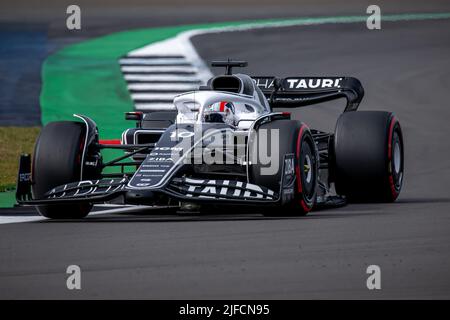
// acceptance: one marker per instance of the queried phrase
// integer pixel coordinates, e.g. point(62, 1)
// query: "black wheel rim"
point(308, 173)
point(397, 159)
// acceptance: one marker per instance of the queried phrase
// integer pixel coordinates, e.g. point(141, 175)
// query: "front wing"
point(180, 188)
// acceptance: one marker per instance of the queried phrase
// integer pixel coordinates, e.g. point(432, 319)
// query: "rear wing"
point(295, 92)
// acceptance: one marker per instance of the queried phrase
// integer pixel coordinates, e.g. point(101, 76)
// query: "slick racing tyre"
point(369, 161)
point(56, 161)
point(294, 138)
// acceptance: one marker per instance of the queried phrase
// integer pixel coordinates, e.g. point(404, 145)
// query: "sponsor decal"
point(312, 83)
point(159, 159)
point(224, 189)
point(289, 165)
point(287, 191)
point(87, 187)
point(264, 83)
point(181, 134)
point(168, 148)
point(24, 177)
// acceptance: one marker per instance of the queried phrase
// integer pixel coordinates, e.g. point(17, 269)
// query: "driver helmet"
point(223, 111)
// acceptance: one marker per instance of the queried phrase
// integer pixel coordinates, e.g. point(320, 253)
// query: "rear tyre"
point(57, 161)
point(294, 138)
point(369, 160)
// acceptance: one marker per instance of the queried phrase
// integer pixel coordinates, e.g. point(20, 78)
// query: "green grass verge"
point(7, 199)
point(13, 142)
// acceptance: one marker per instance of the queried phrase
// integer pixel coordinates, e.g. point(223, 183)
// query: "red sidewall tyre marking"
point(394, 192)
point(305, 207)
point(297, 169)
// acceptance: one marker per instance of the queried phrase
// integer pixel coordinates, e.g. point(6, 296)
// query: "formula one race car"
point(223, 146)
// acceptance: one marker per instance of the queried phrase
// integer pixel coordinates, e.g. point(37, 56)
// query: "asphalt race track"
point(141, 253)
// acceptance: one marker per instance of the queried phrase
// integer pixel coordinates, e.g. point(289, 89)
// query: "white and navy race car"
point(224, 145)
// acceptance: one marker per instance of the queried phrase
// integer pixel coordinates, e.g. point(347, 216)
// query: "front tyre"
point(294, 138)
point(369, 156)
point(57, 160)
